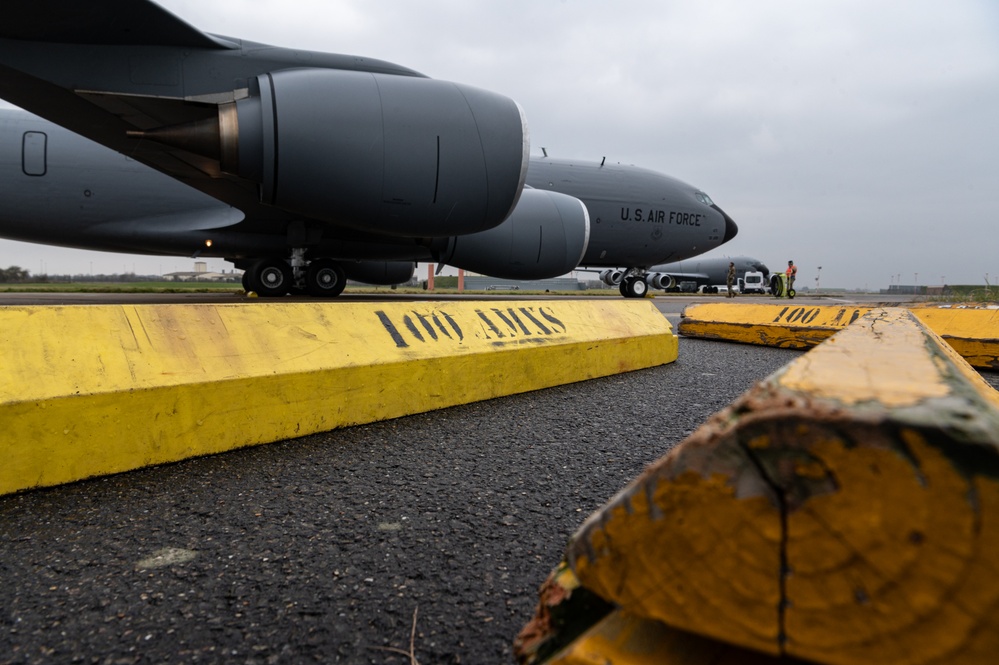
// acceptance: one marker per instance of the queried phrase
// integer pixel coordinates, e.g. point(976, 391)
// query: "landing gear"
point(273, 278)
point(269, 278)
point(324, 279)
point(634, 287)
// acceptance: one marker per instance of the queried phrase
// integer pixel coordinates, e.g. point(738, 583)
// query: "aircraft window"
point(704, 198)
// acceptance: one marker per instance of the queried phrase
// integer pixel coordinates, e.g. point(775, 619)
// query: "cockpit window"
point(704, 198)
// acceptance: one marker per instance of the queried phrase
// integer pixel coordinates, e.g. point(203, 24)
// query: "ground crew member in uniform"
point(730, 280)
point(792, 272)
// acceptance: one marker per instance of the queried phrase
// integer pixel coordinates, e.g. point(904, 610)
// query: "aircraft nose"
point(731, 228)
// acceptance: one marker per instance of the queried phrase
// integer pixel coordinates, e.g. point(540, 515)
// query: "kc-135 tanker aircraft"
point(699, 271)
point(304, 169)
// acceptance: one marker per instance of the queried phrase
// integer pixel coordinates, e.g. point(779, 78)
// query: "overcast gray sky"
point(857, 135)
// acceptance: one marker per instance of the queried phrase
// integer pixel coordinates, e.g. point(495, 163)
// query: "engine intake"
point(611, 276)
point(658, 280)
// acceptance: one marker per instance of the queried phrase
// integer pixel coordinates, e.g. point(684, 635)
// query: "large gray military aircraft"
point(304, 169)
point(700, 271)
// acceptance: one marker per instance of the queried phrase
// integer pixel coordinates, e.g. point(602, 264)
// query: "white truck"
point(754, 282)
point(751, 282)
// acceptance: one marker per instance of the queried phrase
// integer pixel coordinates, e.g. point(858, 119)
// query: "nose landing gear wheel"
point(634, 287)
point(325, 279)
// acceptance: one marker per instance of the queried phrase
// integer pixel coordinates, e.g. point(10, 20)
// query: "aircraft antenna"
point(544, 151)
point(603, 159)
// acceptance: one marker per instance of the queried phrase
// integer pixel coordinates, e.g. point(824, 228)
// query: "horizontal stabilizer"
point(105, 22)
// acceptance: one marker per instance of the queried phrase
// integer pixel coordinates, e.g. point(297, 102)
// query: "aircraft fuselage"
point(638, 217)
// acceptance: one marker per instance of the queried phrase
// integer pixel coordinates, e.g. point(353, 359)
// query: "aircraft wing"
point(678, 276)
point(45, 46)
point(104, 68)
point(687, 276)
point(407, 151)
point(108, 22)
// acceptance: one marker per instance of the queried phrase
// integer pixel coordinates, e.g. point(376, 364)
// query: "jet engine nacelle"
point(545, 236)
point(400, 155)
point(406, 155)
point(611, 277)
point(379, 272)
point(658, 280)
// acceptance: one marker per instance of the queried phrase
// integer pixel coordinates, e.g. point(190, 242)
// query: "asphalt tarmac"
point(328, 547)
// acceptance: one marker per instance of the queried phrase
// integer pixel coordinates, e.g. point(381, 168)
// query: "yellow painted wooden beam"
point(972, 330)
point(845, 510)
point(624, 639)
point(93, 390)
point(574, 627)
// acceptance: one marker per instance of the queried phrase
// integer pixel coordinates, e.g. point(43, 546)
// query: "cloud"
point(854, 134)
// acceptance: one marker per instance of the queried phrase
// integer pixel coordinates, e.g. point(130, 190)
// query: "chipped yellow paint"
point(844, 511)
point(859, 365)
point(698, 559)
point(972, 331)
point(92, 390)
point(623, 638)
point(788, 326)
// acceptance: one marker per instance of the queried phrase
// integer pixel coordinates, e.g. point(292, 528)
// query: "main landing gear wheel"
point(634, 287)
point(270, 278)
point(325, 279)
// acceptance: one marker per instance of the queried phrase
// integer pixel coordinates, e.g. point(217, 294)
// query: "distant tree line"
point(14, 275)
point(18, 275)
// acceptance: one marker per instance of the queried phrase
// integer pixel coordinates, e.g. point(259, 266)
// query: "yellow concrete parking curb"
point(92, 390)
point(845, 510)
point(972, 331)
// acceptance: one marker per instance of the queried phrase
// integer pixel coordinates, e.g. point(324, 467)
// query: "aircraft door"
point(33, 149)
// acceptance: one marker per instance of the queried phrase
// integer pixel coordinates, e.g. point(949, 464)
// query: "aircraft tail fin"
point(104, 22)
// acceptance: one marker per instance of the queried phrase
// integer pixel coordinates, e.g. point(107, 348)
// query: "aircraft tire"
point(245, 279)
point(635, 287)
point(325, 279)
point(271, 278)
